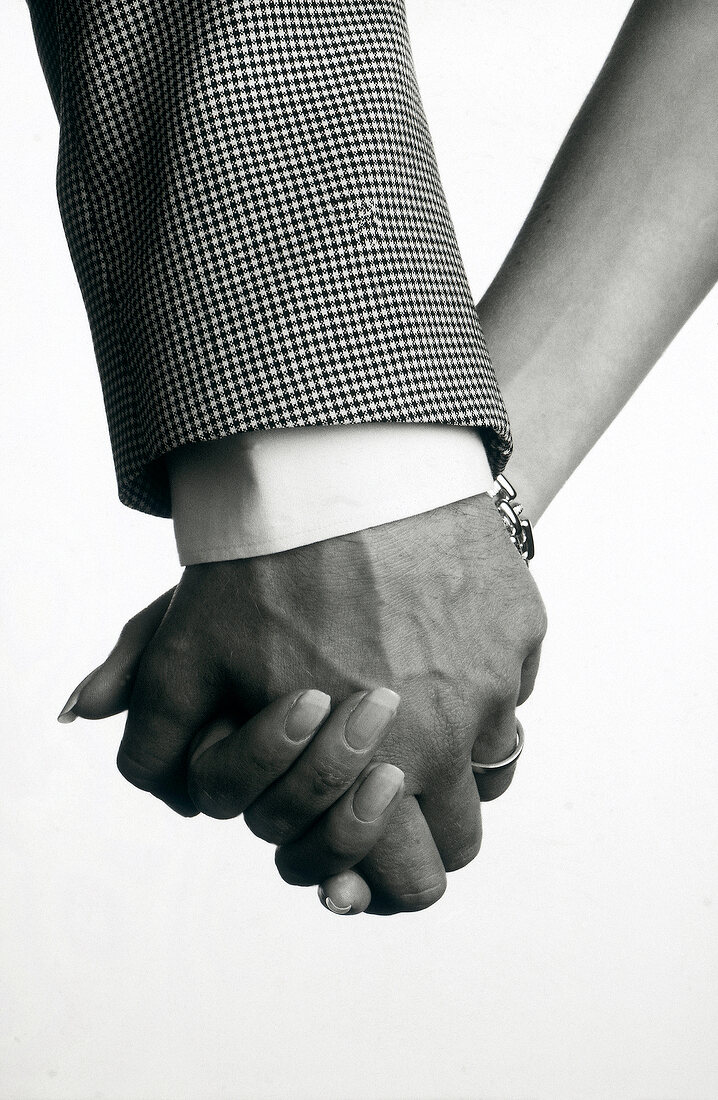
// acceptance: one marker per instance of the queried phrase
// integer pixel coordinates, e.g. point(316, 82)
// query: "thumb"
point(107, 689)
point(345, 894)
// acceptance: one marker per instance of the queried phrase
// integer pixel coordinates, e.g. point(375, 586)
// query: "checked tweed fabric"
point(253, 208)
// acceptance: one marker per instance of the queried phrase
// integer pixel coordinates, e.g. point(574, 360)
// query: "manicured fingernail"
point(377, 791)
point(67, 714)
point(373, 714)
point(329, 904)
point(306, 714)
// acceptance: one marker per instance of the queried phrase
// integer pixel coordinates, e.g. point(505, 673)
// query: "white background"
point(147, 957)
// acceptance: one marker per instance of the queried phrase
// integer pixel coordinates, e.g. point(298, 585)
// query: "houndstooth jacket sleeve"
point(253, 208)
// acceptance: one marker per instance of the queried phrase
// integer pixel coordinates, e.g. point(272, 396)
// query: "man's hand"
point(439, 606)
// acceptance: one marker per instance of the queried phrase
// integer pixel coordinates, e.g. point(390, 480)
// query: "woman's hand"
point(304, 779)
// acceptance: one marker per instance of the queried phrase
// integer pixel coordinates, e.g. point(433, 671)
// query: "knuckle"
point(326, 781)
point(152, 747)
point(169, 678)
point(530, 616)
point(499, 684)
point(261, 764)
point(269, 827)
point(210, 806)
point(340, 846)
point(495, 742)
point(214, 795)
point(520, 621)
point(537, 622)
point(424, 898)
point(133, 772)
point(527, 688)
point(463, 856)
point(291, 874)
point(148, 773)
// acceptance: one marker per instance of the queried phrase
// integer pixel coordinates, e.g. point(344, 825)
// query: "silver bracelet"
point(511, 512)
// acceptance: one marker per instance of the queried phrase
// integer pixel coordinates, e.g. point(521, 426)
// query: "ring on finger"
point(484, 769)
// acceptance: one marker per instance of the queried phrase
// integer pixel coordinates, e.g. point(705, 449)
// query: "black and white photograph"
point(358, 566)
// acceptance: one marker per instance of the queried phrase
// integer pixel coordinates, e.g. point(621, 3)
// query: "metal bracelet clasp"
point(519, 529)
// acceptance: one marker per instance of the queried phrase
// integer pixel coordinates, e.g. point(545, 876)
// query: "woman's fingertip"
point(339, 910)
point(348, 893)
point(67, 714)
point(306, 714)
point(377, 792)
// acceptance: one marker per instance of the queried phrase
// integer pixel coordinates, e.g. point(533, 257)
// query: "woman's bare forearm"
point(619, 248)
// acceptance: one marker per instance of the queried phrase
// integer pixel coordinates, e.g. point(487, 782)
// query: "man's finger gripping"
point(495, 755)
point(404, 871)
point(170, 701)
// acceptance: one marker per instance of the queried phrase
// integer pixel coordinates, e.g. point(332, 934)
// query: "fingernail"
point(306, 713)
point(67, 714)
point(366, 721)
point(377, 791)
point(329, 904)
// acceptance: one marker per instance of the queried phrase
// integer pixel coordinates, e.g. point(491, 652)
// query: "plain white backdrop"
point(146, 957)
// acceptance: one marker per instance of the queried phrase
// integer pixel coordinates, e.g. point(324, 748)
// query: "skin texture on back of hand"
point(439, 607)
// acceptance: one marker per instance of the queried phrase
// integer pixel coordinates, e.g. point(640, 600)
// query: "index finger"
point(172, 698)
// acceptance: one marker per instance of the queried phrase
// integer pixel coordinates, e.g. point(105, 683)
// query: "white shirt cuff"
point(263, 492)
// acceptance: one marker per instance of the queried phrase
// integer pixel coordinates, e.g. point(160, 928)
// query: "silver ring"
point(484, 769)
